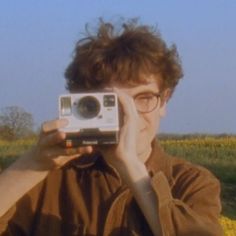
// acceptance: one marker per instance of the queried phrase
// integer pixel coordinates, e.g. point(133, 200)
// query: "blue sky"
point(37, 40)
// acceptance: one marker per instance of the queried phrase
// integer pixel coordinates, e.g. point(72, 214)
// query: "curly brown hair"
point(122, 56)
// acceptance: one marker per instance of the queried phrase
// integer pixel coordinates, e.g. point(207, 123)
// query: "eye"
point(146, 102)
point(145, 97)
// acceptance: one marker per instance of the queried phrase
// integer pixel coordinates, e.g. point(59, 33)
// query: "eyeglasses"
point(147, 102)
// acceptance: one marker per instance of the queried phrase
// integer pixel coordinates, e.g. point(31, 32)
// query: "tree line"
point(16, 123)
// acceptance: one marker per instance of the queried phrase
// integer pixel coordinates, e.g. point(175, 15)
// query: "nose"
point(141, 122)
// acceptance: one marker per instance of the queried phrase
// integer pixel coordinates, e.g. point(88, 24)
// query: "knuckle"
point(59, 136)
point(57, 124)
point(50, 126)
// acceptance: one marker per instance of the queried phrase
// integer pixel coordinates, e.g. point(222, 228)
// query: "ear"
point(166, 96)
point(162, 109)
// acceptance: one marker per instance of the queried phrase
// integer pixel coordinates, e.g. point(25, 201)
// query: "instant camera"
point(93, 118)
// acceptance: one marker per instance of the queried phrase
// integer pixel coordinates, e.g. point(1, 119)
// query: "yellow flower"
point(229, 226)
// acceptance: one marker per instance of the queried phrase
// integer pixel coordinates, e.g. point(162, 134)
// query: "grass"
point(10, 151)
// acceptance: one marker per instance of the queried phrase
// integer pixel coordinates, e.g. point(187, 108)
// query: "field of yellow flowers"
point(229, 226)
point(217, 153)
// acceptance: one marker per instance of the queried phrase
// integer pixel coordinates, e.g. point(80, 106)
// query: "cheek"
point(148, 130)
point(152, 122)
point(153, 128)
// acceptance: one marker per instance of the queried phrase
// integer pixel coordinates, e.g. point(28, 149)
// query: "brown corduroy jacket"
point(90, 199)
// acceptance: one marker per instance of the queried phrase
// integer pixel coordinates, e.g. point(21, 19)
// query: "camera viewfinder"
point(109, 101)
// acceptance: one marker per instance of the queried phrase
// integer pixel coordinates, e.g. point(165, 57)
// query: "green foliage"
point(15, 123)
point(10, 151)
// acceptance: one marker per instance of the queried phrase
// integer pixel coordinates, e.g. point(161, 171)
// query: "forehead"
point(149, 85)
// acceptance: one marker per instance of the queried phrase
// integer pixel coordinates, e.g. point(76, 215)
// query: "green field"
point(217, 153)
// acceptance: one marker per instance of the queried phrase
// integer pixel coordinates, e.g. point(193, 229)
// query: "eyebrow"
point(145, 91)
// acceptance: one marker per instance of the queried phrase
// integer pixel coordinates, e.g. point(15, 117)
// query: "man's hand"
point(124, 156)
point(125, 152)
point(34, 166)
point(49, 153)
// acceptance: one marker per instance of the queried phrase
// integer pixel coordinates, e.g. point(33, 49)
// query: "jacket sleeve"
point(192, 205)
point(18, 219)
point(4, 220)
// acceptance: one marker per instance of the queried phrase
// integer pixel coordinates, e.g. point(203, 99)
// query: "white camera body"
point(93, 118)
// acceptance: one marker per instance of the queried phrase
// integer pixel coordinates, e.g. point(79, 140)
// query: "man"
point(132, 188)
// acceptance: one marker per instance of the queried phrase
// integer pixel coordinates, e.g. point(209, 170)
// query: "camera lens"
point(88, 107)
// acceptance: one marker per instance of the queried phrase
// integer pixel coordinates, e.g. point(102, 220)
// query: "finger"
point(52, 139)
point(53, 153)
point(130, 114)
point(127, 103)
point(58, 151)
point(62, 160)
point(53, 125)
